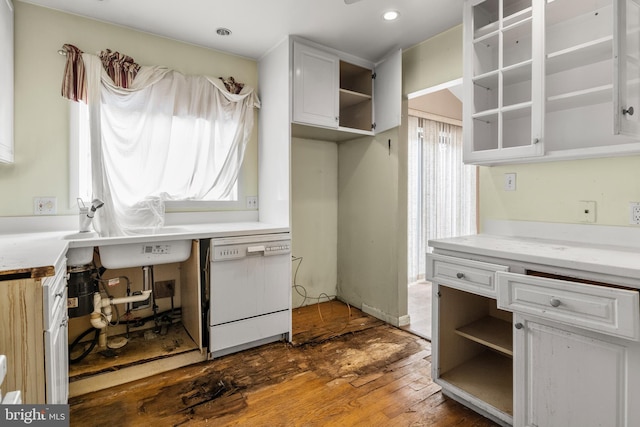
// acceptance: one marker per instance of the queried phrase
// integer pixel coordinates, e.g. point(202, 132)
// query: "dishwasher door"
point(250, 291)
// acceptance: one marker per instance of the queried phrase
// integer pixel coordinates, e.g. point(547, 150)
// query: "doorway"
point(442, 191)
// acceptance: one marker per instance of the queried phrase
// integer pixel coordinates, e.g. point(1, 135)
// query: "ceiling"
point(259, 25)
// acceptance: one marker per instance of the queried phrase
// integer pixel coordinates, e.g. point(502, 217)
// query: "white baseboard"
point(385, 317)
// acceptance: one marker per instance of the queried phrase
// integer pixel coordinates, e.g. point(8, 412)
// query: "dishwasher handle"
point(255, 249)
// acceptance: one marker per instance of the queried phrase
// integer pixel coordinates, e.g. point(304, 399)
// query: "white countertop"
point(36, 254)
point(620, 261)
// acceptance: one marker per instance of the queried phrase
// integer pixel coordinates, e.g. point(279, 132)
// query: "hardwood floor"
point(344, 368)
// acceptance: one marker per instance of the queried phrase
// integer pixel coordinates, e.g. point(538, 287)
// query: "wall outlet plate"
point(587, 211)
point(45, 205)
point(252, 202)
point(634, 213)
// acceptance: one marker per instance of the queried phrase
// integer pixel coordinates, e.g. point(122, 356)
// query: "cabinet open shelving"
point(488, 376)
point(491, 332)
point(356, 96)
point(475, 347)
point(580, 55)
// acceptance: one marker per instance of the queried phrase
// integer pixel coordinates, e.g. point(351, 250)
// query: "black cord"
point(86, 351)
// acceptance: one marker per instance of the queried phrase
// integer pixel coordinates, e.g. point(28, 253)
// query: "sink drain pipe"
point(101, 315)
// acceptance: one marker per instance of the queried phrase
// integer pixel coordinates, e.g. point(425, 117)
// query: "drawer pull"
point(555, 302)
point(460, 275)
point(519, 325)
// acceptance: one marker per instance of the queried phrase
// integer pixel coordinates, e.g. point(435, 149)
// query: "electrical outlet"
point(509, 182)
point(252, 202)
point(44, 205)
point(634, 213)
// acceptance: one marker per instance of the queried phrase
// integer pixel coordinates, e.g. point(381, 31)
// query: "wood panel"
point(190, 297)
point(367, 373)
point(21, 338)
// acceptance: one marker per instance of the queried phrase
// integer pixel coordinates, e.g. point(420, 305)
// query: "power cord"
point(318, 299)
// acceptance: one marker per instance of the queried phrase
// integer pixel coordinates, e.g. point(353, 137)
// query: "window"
point(81, 178)
point(165, 138)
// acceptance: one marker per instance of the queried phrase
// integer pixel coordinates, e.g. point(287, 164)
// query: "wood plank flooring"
point(344, 368)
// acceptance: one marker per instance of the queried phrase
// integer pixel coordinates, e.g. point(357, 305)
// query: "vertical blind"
point(442, 190)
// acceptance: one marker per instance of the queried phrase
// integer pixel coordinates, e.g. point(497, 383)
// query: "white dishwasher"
point(250, 292)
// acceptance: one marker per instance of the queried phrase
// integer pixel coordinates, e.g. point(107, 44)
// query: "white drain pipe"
point(101, 315)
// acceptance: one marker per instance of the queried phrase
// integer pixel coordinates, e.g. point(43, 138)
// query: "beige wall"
point(314, 187)
point(551, 192)
point(368, 222)
point(435, 61)
point(41, 165)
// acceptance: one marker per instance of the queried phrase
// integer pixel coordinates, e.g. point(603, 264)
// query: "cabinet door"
point(627, 111)
point(503, 72)
point(564, 378)
point(315, 86)
point(6, 81)
point(57, 360)
point(387, 97)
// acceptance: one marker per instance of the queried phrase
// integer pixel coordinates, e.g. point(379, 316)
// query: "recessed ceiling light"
point(223, 31)
point(390, 15)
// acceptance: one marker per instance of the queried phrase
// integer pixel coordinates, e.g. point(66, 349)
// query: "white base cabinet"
point(535, 345)
point(568, 377)
point(576, 350)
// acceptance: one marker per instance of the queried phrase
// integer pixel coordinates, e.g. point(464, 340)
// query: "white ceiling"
point(259, 25)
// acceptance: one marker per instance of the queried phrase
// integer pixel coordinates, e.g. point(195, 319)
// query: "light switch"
point(509, 182)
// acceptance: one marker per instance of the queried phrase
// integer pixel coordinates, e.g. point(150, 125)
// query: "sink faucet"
point(87, 213)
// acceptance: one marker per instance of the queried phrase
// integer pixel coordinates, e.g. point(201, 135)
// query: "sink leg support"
point(149, 283)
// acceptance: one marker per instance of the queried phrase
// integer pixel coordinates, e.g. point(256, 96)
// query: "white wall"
point(41, 165)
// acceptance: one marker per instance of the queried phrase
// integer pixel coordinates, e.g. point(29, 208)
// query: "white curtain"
point(442, 190)
point(167, 137)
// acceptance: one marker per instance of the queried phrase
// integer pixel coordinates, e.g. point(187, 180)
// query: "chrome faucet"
point(86, 213)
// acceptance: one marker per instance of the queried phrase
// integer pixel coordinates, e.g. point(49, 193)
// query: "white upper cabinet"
point(503, 80)
point(315, 79)
point(550, 79)
point(334, 90)
point(6, 81)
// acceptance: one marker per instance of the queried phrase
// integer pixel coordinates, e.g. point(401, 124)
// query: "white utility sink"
point(80, 256)
point(125, 255)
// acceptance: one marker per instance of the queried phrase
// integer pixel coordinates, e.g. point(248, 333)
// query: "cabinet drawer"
point(54, 293)
point(473, 276)
point(609, 310)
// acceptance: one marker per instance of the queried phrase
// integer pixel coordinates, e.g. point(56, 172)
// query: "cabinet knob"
point(628, 111)
point(536, 140)
point(59, 294)
point(555, 302)
point(519, 325)
point(460, 275)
